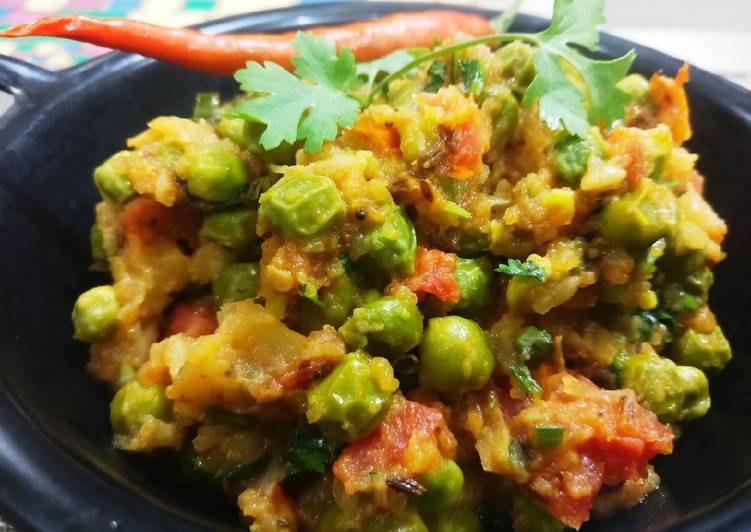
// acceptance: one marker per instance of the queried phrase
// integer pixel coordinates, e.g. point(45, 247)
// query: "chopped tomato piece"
point(384, 450)
point(669, 96)
point(574, 490)
point(464, 149)
point(193, 318)
point(148, 222)
point(434, 274)
point(608, 438)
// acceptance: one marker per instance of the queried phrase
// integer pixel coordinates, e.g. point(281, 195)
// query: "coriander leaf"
point(523, 269)
point(346, 263)
point(575, 23)
point(293, 109)
point(286, 100)
point(317, 61)
point(561, 103)
point(503, 22)
point(533, 344)
point(606, 100)
point(436, 76)
point(368, 72)
point(309, 293)
point(308, 451)
point(472, 75)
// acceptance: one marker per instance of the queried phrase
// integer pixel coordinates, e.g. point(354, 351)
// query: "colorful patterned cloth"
point(723, 51)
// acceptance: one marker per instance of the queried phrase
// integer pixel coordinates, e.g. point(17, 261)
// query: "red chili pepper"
point(224, 54)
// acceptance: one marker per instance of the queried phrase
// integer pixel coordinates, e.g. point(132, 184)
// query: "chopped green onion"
point(521, 373)
point(548, 436)
point(450, 207)
point(516, 454)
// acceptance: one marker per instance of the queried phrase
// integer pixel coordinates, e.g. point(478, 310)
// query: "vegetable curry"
point(452, 289)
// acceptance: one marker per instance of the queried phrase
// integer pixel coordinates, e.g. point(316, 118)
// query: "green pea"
point(98, 253)
point(390, 246)
point(505, 113)
point(636, 86)
point(206, 105)
point(442, 487)
point(247, 135)
point(403, 521)
point(529, 516)
point(570, 155)
point(95, 314)
point(113, 185)
point(675, 300)
point(234, 229)
point(516, 66)
point(699, 281)
point(236, 282)
point(456, 519)
point(234, 129)
point(338, 300)
point(334, 519)
point(215, 174)
point(390, 325)
point(474, 278)
point(133, 404)
point(673, 393)
point(533, 345)
point(368, 296)
point(638, 218)
point(455, 356)
point(353, 398)
point(706, 351)
point(465, 242)
point(302, 206)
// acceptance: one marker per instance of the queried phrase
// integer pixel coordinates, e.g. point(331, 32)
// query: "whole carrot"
point(224, 54)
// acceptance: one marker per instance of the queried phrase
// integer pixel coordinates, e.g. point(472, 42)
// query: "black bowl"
point(57, 468)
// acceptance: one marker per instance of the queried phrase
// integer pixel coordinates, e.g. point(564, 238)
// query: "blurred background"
point(712, 34)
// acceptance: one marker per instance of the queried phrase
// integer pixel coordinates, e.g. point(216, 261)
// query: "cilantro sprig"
point(574, 24)
point(308, 105)
point(518, 268)
point(559, 61)
point(327, 89)
point(368, 72)
point(308, 451)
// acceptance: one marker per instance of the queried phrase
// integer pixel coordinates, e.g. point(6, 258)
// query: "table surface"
point(716, 39)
